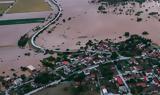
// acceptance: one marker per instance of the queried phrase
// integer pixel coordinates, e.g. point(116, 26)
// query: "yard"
point(58, 90)
point(22, 6)
point(62, 89)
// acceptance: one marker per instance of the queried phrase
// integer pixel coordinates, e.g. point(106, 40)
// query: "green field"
point(21, 21)
point(22, 6)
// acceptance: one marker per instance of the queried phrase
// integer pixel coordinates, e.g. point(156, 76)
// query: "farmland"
point(22, 6)
point(21, 21)
point(4, 7)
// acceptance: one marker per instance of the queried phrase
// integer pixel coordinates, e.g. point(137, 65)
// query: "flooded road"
point(86, 24)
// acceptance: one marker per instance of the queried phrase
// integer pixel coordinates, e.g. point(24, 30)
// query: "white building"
point(31, 68)
point(18, 81)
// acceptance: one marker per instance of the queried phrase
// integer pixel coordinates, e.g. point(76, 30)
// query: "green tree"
point(126, 34)
point(44, 78)
point(106, 72)
point(114, 55)
point(23, 41)
point(145, 33)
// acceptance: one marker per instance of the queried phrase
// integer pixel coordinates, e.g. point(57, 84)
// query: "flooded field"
point(86, 23)
point(80, 22)
point(25, 15)
point(11, 56)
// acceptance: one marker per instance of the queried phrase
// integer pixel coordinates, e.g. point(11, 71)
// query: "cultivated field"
point(4, 7)
point(21, 21)
point(22, 6)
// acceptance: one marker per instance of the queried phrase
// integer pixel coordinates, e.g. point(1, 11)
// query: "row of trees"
point(118, 2)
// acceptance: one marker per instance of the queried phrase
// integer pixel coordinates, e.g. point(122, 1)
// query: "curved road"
point(33, 38)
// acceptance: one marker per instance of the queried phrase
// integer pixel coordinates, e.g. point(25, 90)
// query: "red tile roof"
point(156, 80)
point(119, 80)
point(142, 84)
point(65, 62)
point(145, 78)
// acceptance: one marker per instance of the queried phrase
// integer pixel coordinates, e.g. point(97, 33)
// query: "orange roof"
point(119, 80)
point(65, 62)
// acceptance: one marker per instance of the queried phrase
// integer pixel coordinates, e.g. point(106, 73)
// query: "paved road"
point(33, 38)
point(120, 75)
point(38, 32)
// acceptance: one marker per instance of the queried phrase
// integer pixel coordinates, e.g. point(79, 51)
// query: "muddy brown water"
point(11, 56)
point(87, 22)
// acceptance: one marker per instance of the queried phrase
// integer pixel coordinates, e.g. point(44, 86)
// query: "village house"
point(31, 68)
point(18, 81)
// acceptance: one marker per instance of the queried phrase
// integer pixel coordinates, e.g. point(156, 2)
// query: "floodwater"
point(11, 56)
point(87, 24)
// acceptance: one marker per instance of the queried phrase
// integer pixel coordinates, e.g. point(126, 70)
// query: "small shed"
point(31, 68)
